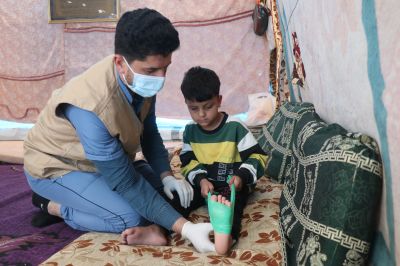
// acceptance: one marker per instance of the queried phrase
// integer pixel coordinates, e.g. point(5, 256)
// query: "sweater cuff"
point(245, 175)
point(197, 179)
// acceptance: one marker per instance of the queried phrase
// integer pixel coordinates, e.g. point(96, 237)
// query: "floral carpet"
point(259, 242)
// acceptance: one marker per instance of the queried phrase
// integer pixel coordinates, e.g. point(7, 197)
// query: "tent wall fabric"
point(342, 57)
point(37, 57)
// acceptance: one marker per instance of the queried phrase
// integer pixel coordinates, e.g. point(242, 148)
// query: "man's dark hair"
point(200, 84)
point(144, 32)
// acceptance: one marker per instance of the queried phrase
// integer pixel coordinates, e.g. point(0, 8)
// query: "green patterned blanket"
point(332, 186)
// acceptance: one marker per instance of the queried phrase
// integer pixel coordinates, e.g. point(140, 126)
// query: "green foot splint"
point(221, 216)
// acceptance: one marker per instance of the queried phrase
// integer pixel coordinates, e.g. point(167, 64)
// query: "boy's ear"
point(219, 100)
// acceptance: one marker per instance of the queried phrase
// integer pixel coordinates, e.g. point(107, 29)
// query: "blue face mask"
point(144, 85)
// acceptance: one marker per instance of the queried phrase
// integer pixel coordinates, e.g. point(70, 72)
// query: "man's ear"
point(119, 63)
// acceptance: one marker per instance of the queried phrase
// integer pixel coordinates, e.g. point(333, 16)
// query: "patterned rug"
point(21, 243)
point(259, 242)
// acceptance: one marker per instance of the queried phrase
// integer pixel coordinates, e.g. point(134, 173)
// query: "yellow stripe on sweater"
point(224, 152)
point(189, 167)
point(260, 157)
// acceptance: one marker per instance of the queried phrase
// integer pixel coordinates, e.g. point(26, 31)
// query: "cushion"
point(331, 194)
point(276, 138)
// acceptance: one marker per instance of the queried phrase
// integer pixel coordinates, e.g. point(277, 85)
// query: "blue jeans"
point(88, 203)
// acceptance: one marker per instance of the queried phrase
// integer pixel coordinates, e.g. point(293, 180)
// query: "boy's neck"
point(219, 120)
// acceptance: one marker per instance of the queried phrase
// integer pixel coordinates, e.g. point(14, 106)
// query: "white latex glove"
point(182, 187)
point(198, 235)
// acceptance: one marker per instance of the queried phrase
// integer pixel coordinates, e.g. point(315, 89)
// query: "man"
point(80, 152)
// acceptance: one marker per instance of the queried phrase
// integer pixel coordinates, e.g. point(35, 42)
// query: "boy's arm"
point(191, 168)
point(252, 155)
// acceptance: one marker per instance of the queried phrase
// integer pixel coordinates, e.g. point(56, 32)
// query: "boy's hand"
point(206, 186)
point(237, 181)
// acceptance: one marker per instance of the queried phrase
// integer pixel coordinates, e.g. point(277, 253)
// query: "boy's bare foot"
point(222, 241)
point(144, 235)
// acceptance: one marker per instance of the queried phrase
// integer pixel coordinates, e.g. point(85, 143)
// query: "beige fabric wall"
point(31, 59)
point(37, 57)
point(350, 51)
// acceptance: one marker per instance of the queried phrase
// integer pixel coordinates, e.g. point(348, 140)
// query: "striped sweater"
point(230, 149)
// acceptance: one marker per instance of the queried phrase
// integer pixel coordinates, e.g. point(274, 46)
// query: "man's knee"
point(118, 223)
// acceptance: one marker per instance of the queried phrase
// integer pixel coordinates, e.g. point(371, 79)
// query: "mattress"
point(170, 129)
point(10, 130)
point(259, 242)
point(11, 151)
point(12, 135)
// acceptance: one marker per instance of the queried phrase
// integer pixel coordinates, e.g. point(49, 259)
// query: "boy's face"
point(205, 114)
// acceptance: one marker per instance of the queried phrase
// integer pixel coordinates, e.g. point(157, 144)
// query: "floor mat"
point(21, 243)
point(259, 243)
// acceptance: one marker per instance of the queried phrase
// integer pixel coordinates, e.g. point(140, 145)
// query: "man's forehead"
point(153, 62)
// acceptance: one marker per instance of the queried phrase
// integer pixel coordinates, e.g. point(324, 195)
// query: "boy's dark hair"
point(144, 32)
point(200, 84)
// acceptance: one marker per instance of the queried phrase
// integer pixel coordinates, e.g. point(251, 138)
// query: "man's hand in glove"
point(198, 235)
point(182, 187)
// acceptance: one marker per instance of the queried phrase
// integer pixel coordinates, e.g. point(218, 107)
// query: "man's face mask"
point(144, 85)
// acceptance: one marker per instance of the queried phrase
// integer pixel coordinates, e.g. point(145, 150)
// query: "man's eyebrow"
point(152, 68)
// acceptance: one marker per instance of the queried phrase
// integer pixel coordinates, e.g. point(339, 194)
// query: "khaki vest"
point(52, 147)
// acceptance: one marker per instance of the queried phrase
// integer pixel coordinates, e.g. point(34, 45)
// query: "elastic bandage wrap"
point(221, 216)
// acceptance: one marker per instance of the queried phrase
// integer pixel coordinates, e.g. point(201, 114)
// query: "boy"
point(216, 146)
